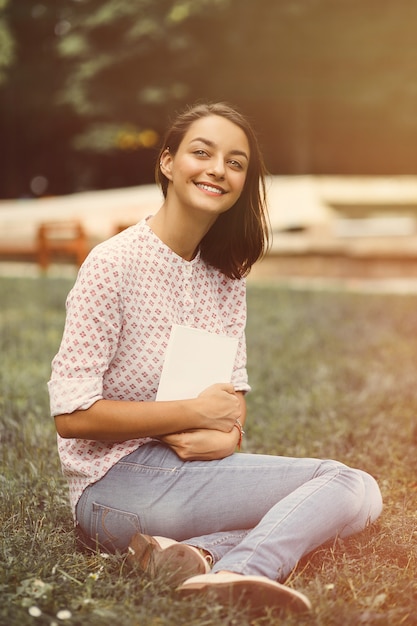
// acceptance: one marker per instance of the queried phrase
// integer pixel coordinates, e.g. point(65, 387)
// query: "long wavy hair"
point(240, 236)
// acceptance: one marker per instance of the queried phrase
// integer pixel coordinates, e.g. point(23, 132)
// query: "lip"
point(210, 189)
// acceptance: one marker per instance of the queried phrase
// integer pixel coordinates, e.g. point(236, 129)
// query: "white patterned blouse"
point(128, 293)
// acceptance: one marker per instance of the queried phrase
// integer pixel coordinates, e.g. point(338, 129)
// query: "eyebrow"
point(211, 144)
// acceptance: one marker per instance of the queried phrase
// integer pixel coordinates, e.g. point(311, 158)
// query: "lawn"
point(333, 375)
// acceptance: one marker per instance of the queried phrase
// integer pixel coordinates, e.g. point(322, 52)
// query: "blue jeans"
point(255, 514)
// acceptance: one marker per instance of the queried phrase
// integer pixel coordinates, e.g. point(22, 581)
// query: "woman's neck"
point(182, 233)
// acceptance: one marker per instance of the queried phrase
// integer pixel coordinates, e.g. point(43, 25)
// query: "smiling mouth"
point(210, 189)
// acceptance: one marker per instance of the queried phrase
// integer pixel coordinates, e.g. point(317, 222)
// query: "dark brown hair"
point(240, 236)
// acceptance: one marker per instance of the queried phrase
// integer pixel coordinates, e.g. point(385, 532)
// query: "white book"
point(194, 360)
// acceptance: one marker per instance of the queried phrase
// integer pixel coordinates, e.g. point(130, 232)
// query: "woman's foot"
point(161, 557)
point(258, 592)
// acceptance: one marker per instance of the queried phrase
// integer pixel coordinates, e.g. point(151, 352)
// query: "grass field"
point(333, 375)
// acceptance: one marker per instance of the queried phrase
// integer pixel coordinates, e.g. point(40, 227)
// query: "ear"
point(165, 163)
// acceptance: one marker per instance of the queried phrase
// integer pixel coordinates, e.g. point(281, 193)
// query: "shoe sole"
point(257, 595)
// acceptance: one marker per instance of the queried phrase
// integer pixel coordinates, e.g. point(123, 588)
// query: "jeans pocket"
point(113, 528)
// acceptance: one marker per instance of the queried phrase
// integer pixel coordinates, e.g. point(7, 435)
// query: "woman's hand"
point(202, 445)
point(219, 406)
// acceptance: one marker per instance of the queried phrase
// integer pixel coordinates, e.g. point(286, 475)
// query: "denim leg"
point(298, 524)
point(256, 514)
point(333, 502)
point(218, 544)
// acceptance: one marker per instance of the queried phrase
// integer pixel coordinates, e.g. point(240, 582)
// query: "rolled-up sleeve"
point(90, 337)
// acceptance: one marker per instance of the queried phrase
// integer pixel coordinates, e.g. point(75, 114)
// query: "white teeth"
point(210, 189)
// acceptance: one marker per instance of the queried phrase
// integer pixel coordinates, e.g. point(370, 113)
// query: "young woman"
point(163, 477)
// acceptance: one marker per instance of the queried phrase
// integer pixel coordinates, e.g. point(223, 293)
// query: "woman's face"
point(208, 171)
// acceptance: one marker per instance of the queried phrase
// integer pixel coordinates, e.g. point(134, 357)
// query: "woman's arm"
point(216, 408)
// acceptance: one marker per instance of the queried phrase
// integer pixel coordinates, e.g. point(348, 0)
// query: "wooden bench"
point(12, 251)
point(61, 239)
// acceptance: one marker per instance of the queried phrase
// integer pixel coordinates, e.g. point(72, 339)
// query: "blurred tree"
point(35, 133)
point(331, 86)
point(7, 43)
point(133, 61)
point(90, 90)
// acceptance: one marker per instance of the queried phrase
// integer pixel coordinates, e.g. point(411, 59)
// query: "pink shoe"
point(166, 558)
point(258, 592)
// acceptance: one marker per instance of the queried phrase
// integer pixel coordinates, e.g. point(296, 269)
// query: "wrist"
point(196, 417)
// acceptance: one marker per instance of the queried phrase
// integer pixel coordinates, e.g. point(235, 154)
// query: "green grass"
point(333, 375)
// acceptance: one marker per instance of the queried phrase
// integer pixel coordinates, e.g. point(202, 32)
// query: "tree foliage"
point(7, 43)
point(133, 61)
point(35, 132)
point(330, 85)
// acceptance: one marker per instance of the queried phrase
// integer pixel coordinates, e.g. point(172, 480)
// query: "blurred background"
point(87, 86)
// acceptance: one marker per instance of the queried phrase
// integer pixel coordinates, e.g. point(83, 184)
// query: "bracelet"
point(239, 426)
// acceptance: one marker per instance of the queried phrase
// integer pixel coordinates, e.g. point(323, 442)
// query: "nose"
point(216, 168)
